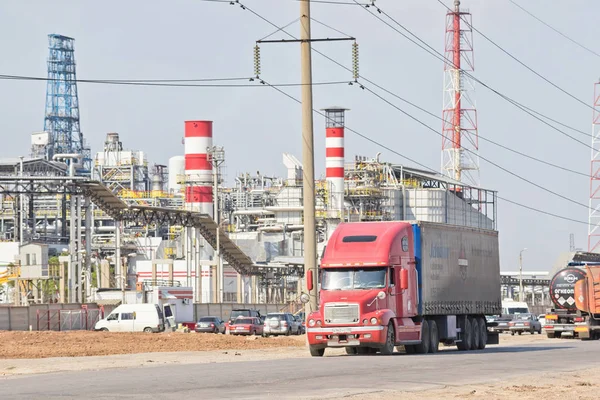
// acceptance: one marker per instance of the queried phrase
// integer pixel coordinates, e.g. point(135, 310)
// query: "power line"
point(442, 58)
point(427, 167)
point(557, 31)
point(380, 144)
point(516, 175)
point(169, 82)
point(519, 61)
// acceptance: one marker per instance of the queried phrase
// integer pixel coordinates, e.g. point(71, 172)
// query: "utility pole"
point(308, 155)
point(217, 157)
point(521, 274)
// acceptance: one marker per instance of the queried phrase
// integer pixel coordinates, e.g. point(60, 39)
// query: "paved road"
point(308, 377)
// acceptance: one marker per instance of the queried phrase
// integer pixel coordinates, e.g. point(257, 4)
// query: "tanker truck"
point(405, 283)
point(561, 320)
point(587, 300)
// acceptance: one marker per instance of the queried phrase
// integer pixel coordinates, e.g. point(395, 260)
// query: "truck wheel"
point(351, 350)
point(423, 347)
point(475, 335)
point(390, 338)
point(482, 333)
point(435, 337)
point(465, 337)
point(316, 352)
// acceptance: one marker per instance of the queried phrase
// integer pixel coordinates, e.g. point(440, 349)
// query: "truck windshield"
point(351, 278)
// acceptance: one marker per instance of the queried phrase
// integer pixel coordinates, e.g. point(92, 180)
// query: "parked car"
point(300, 319)
point(242, 312)
point(246, 326)
point(525, 323)
point(281, 324)
point(210, 325)
point(501, 322)
point(542, 319)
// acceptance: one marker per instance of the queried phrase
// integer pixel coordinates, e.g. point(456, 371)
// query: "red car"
point(246, 326)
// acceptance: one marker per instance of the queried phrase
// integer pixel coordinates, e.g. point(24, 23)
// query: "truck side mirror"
point(403, 279)
point(309, 280)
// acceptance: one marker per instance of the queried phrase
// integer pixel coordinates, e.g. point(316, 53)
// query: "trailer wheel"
point(316, 352)
point(423, 347)
point(482, 333)
point(475, 335)
point(390, 338)
point(434, 336)
point(465, 337)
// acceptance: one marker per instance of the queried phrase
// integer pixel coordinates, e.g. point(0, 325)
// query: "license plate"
point(341, 330)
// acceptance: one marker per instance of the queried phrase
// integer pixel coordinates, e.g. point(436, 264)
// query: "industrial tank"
point(562, 287)
point(176, 171)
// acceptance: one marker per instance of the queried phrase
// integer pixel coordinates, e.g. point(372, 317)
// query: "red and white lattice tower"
point(594, 216)
point(460, 141)
point(334, 159)
point(198, 169)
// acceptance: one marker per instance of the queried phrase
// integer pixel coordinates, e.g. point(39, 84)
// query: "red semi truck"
point(415, 284)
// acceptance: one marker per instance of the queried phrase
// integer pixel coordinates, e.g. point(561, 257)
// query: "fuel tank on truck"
point(562, 288)
point(459, 269)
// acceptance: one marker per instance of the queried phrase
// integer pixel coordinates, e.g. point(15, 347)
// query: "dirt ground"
point(576, 385)
point(30, 345)
point(64, 351)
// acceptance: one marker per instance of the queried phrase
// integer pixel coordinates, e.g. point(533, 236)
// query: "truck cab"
point(363, 290)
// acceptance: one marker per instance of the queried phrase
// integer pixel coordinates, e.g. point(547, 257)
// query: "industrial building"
point(117, 220)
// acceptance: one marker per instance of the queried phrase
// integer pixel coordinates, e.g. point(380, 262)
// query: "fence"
point(53, 317)
point(65, 317)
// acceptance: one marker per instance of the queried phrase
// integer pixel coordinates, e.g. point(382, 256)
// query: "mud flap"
point(493, 338)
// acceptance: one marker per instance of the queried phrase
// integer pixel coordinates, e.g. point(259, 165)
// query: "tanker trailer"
point(561, 319)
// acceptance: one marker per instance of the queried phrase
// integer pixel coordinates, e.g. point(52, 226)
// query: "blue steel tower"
point(62, 105)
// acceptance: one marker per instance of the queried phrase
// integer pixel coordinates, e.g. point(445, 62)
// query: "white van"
point(511, 307)
point(133, 318)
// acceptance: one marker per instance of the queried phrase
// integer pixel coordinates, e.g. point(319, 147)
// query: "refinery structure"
point(114, 221)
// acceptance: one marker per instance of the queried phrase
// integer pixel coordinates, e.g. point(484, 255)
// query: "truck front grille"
point(341, 313)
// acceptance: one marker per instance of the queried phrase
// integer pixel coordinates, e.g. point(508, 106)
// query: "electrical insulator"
point(355, 61)
point(257, 61)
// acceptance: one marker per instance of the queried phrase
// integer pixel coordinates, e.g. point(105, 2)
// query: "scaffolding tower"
point(61, 121)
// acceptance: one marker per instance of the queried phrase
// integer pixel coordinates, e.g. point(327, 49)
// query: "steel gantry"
point(117, 209)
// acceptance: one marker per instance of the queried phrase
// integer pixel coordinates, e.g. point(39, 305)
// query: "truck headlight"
point(373, 320)
point(311, 322)
point(365, 321)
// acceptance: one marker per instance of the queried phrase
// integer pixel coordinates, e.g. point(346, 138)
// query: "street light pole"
point(217, 157)
point(521, 274)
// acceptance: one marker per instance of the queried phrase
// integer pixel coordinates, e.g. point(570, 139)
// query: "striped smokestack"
point(198, 169)
point(334, 157)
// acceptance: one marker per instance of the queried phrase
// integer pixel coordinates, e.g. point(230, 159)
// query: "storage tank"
point(562, 287)
point(176, 171)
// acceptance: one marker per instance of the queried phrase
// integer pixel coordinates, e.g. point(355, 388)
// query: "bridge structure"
point(83, 191)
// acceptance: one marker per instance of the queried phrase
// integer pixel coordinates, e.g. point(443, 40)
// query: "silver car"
point(281, 324)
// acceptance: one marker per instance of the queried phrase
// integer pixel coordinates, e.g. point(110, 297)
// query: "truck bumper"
point(561, 330)
point(368, 336)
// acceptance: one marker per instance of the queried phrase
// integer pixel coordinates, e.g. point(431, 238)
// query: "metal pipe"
point(78, 243)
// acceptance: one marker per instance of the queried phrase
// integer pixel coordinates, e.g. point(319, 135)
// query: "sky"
point(194, 39)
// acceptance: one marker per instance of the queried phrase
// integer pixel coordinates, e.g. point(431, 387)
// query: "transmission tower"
point(594, 216)
point(61, 121)
point(460, 141)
